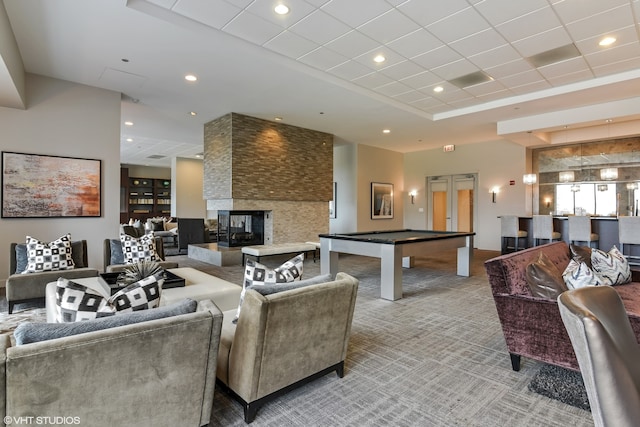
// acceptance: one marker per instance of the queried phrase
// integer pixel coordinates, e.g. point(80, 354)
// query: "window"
point(586, 199)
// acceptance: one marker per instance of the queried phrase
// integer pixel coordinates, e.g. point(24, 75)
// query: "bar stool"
point(510, 229)
point(629, 234)
point(543, 229)
point(580, 230)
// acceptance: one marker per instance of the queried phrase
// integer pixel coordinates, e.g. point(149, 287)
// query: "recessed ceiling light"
point(193, 113)
point(128, 123)
point(386, 130)
point(607, 41)
point(438, 89)
point(379, 59)
point(281, 9)
point(278, 119)
point(129, 139)
point(190, 78)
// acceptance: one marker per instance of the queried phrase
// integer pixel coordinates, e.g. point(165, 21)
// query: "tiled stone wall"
point(254, 164)
point(250, 158)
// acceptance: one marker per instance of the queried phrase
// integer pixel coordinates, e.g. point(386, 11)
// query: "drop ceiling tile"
point(240, 3)
point(317, 3)
point(520, 79)
point(356, 12)
point(617, 67)
point(298, 9)
point(458, 26)
point(373, 80)
point(402, 70)
point(415, 43)
point(612, 55)
point(455, 69)
point(393, 89)
point(349, 70)
point(531, 87)
point(320, 27)
point(353, 43)
point(573, 65)
point(290, 44)
point(426, 103)
point(542, 42)
point(601, 24)
point(529, 25)
point(323, 59)
point(451, 94)
point(485, 88)
point(485, 40)
point(437, 57)
point(464, 103)
point(509, 69)
point(167, 4)
point(493, 96)
point(409, 97)
point(494, 57)
point(499, 11)
point(423, 81)
point(623, 36)
point(574, 10)
point(252, 28)
point(427, 12)
point(571, 78)
point(388, 27)
point(214, 13)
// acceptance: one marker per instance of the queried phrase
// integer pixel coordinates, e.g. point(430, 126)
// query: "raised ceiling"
point(314, 67)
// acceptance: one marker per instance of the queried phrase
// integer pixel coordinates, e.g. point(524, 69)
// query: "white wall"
point(187, 180)
point(71, 120)
point(496, 163)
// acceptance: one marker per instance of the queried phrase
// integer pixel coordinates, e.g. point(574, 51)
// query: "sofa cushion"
point(256, 274)
point(138, 249)
point(28, 332)
point(269, 289)
point(76, 302)
point(544, 278)
point(51, 256)
point(612, 268)
point(578, 275)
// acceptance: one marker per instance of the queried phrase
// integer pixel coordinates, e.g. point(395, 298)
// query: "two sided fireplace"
point(240, 228)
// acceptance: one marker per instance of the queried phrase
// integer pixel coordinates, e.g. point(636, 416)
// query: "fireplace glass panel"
point(240, 228)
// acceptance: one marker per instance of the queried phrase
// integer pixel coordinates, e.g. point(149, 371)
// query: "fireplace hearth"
point(240, 228)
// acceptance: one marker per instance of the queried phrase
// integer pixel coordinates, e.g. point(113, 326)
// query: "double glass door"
point(451, 201)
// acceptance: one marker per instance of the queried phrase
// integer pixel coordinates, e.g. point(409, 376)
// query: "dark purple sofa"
point(531, 325)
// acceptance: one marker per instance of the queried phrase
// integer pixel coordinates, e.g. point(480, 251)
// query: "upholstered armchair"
point(30, 287)
point(285, 339)
point(113, 257)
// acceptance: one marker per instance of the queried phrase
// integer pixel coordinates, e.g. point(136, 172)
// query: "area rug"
point(561, 384)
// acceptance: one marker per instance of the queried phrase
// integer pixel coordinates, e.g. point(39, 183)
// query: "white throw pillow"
point(578, 275)
point(138, 249)
point(612, 268)
point(51, 256)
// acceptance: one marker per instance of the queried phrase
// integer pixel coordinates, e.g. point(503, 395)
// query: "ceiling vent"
point(471, 79)
point(552, 56)
point(156, 157)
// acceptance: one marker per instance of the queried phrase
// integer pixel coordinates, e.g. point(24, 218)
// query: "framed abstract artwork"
point(42, 186)
point(381, 200)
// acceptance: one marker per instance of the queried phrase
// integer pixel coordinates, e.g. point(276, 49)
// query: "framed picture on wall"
point(381, 200)
point(332, 203)
point(41, 186)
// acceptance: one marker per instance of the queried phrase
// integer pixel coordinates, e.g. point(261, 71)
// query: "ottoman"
point(199, 286)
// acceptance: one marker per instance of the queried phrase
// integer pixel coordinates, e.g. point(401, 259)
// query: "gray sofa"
point(158, 373)
point(31, 286)
point(114, 259)
point(285, 339)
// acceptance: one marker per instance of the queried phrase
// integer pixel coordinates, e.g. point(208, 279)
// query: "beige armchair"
point(607, 352)
point(285, 339)
point(30, 287)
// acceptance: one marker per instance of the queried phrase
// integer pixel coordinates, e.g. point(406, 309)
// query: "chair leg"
point(515, 361)
point(11, 304)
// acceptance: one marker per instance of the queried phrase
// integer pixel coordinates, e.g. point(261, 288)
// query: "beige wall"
point(66, 119)
point(345, 168)
point(379, 165)
point(186, 188)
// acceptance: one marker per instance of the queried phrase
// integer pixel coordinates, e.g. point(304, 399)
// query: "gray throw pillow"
point(27, 333)
point(280, 287)
point(544, 278)
point(117, 257)
point(77, 253)
point(21, 258)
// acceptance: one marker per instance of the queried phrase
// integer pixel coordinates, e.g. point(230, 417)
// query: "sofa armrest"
point(5, 343)
point(32, 285)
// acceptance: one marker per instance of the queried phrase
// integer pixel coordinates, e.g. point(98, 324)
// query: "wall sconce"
point(603, 187)
point(567, 176)
point(609, 174)
point(632, 185)
point(529, 178)
point(413, 194)
point(494, 193)
point(547, 202)
point(575, 188)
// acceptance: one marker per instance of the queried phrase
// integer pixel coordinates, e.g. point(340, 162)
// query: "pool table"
point(391, 247)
